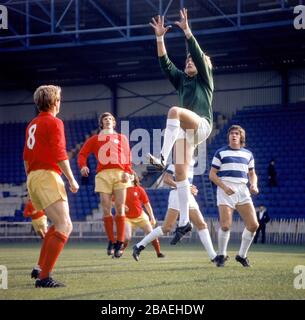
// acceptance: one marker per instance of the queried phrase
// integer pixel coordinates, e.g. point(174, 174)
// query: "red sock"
point(120, 228)
point(44, 245)
point(156, 245)
point(54, 247)
point(108, 224)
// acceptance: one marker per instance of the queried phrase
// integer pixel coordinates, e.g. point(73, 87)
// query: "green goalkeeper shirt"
point(195, 93)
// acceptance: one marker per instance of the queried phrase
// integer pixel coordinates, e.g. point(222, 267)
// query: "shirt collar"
point(45, 114)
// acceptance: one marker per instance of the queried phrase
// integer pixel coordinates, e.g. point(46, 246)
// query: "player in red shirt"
point(136, 198)
point(45, 158)
point(112, 151)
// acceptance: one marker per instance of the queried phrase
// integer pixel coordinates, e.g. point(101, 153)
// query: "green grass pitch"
point(185, 273)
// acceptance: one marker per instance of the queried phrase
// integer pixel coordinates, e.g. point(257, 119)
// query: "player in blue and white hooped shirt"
point(172, 214)
point(232, 168)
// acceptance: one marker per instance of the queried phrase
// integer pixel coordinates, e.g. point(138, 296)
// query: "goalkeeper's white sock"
point(170, 137)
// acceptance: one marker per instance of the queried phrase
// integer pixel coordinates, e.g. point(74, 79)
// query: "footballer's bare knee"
point(173, 113)
point(64, 227)
point(106, 210)
point(120, 212)
point(252, 227)
point(225, 228)
point(201, 226)
point(69, 228)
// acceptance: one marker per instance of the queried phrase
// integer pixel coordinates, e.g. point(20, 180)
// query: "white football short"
point(173, 201)
point(240, 197)
point(196, 137)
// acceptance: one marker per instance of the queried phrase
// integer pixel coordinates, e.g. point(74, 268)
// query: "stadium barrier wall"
point(278, 231)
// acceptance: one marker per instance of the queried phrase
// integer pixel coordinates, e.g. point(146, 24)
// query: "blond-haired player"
point(45, 159)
